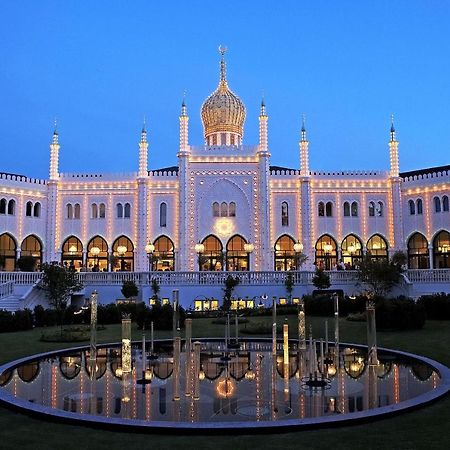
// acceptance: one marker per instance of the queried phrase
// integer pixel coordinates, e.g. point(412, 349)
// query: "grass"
point(422, 429)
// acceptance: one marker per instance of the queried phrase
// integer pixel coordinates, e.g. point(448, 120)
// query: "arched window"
point(212, 256)
point(346, 209)
point(97, 255)
point(351, 251)
point(77, 211)
point(329, 209)
point(418, 255)
point(437, 204)
point(284, 253)
point(29, 209)
point(127, 211)
point(284, 214)
point(7, 252)
point(326, 252)
point(69, 211)
point(441, 250)
point(354, 209)
point(123, 252)
point(232, 209)
point(321, 209)
point(119, 207)
point(163, 256)
point(445, 203)
point(237, 257)
point(3, 206)
point(377, 247)
point(72, 253)
point(31, 246)
point(380, 209)
point(412, 207)
point(37, 209)
point(11, 207)
point(371, 209)
point(224, 210)
point(102, 211)
point(163, 215)
point(94, 211)
point(419, 206)
point(216, 209)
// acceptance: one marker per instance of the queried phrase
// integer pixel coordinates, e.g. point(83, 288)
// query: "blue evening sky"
point(101, 66)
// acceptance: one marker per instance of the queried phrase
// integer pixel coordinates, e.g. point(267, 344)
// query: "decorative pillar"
point(176, 368)
point(336, 329)
point(372, 357)
point(274, 327)
point(126, 343)
point(188, 331)
point(93, 346)
point(196, 392)
point(301, 325)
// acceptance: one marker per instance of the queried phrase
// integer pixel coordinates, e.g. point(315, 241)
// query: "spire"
point(392, 128)
point(393, 151)
point(55, 132)
point(183, 105)
point(303, 129)
point(143, 151)
point(263, 108)
point(54, 154)
point(144, 131)
point(184, 127)
point(263, 130)
point(304, 151)
point(223, 66)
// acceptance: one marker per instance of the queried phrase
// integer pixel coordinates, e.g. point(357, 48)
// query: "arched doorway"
point(123, 252)
point(377, 247)
point(8, 249)
point(284, 253)
point(163, 256)
point(97, 255)
point(212, 256)
point(326, 252)
point(351, 251)
point(418, 254)
point(237, 258)
point(72, 253)
point(31, 246)
point(441, 250)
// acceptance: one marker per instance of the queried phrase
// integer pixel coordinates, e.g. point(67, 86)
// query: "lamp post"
point(95, 251)
point(248, 248)
point(298, 249)
point(199, 248)
point(121, 250)
point(149, 249)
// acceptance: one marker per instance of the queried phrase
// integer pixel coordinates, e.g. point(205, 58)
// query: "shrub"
point(321, 280)
point(399, 314)
point(23, 320)
point(26, 263)
point(129, 289)
point(437, 306)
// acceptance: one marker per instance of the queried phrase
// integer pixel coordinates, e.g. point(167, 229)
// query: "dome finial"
point(223, 67)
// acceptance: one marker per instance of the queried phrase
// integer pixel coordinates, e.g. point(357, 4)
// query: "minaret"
point(143, 153)
point(184, 128)
point(263, 132)
point(54, 156)
point(304, 152)
point(393, 151)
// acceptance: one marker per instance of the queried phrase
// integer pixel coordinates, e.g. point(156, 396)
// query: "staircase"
point(10, 303)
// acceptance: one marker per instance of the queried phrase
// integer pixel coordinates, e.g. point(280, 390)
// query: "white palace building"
point(223, 209)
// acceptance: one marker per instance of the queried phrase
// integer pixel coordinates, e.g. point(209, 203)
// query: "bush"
point(437, 306)
point(20, 320)
point(162, 316)
point(399, 314)
point(129, 289)
point(26, 263)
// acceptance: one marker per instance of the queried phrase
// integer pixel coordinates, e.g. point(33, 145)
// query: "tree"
point(381, 274)
point(230, 283)
point(129, 289)
point(59, 283)
point(26, 263)
point(321, 280)
point(289, 285)
point(300, 259)
point(155, 289)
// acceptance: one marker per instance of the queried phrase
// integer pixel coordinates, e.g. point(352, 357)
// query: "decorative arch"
point(284, 253)
point(352, 251)
point(123, 252)
point(418, 253)
point(8, 248)
point(326, 252)
point(441, 250)
point(32, 246)
point(97, 254)
point(212, 256)
point(72, 253)
point(237, 259)
point(164, 254)
point(377, 247)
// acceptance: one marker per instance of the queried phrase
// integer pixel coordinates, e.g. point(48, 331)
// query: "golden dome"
point(223, 111)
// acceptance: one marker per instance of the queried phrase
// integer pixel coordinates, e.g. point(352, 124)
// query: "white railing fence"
point(6, 289)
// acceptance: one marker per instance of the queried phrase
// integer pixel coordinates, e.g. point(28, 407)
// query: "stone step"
point(10, 303)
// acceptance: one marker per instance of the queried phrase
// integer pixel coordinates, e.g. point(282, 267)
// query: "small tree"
point(300, 259)
point(26, 263)
point(321, 280)
point(155, 289)
point(289, 285)
point(59, 282)
point(230, 283)
point(129, 289)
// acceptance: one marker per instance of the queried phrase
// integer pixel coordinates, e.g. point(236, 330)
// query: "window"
point(31, 246)
point(354, 210)
point(441, 250)
point(326, 252)
point(419, 206)
point(284, 214)
point(224, 210)
point(102, 212)
point(29, 209)
point(412, 207)
point(351, 251)
point(346, 209)
point(321, 209)
point(163, 215)
point(72, 253)
point(3, 206)
point(69, 211)
point(127, 211)
point(77, 211)
point(371, 209)
point(119, 210)
point(232, 209)
point(37, 209)
point(418, 255)
point(11, 207)
point(377, 247)
point(163, 256)
point(237, 259)
point(94, 211)
point(285, 258)
point(216, 209)
point(123, 251)
point(212, 257)
point(8, 252)
point(437, 204)
point(445, 203)
point(379, 211)
point(329, 209)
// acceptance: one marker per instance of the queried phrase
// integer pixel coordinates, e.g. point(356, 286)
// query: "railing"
point(6, 289)
point(428, 275)
point(20, 277)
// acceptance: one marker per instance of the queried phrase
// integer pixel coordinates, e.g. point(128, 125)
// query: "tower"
point(393, 151)
point(143, 152)
point(304, 151)
point(54, 156)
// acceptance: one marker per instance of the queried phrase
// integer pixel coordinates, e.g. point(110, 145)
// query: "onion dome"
point(223, 111)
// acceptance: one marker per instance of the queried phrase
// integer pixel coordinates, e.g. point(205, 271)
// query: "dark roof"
point(280, 168)
point(166, 169)
point(414, 173)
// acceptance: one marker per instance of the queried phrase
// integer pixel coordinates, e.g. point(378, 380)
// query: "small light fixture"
point(95, 251)
point(327, 248)
point(121, 250)
point(298, 247)
point(248, 247)
point(73, 249)
point(199, 248)
point(149, 248)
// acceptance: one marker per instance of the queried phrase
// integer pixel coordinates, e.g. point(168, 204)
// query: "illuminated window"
point(283, 301)
point(285, 254)
point(418, 254)
point(8, 252)
point(212, 256)
point(165, 301)
point(326, 252)
point(377, 247)
point(163, 255)
point(441, 250)
point(72, 253)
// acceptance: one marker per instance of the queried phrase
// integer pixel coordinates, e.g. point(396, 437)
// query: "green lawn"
point(426, 428)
